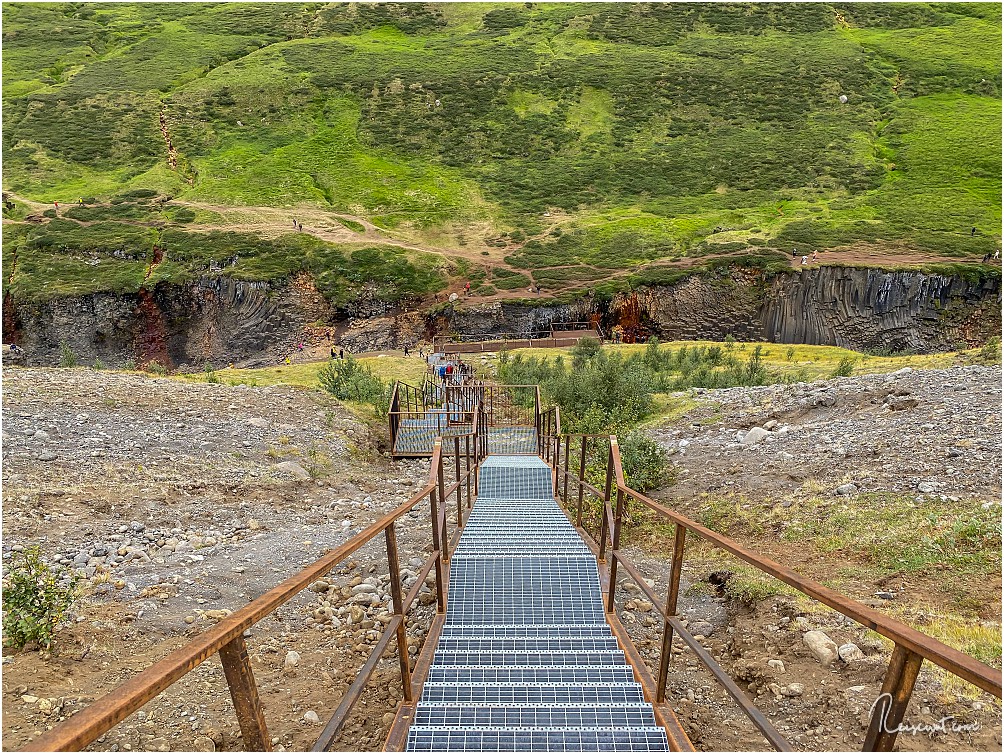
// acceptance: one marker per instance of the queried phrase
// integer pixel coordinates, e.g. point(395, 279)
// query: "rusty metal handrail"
point(911, 648)
point(227, 636)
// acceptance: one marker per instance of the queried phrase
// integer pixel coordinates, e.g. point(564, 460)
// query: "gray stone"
point(821, 646)
point(847, 489)
point(203, 743)
point(292, 659)
point(293, 469)
point(793, 690)
point(755, 435)
point(701, 628)
point(46, 455)
point(311, 717)
point(770, 424)
point(926, 487)
point(850, 652)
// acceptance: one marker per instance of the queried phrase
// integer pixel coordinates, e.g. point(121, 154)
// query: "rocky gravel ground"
point(925, 432)
point(925, 437)
point(178, 503)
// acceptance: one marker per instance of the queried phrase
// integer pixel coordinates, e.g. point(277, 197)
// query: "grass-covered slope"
point(570, 142)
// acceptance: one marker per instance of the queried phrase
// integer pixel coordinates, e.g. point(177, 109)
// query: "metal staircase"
point(526, 660)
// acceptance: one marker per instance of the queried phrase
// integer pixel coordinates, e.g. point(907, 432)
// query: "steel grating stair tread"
point(525, 660)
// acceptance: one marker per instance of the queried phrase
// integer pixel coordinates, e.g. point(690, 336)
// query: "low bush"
point(36, 599)
point(349, 380)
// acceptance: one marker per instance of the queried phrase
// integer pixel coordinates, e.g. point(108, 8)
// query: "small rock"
point(776, 665)
point(320, 586)
point(886, 595)
point(850, 652)
point(822, 647)
point(46, 455)
point(203, 743)
point(311, 717)
point(754, 436)
point(293, 469)
point(701, 628)
point(926, 487)
point(847, 489)
point(190, 619)
point(793, 690)
point(292, 659)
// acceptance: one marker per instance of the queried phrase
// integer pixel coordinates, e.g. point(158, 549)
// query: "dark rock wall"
point(862, 309)
point(221, 320)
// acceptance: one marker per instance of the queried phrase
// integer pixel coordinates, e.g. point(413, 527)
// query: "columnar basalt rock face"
point(520, 320)
point(210, 320)
point(854, 308)
point(222, 320)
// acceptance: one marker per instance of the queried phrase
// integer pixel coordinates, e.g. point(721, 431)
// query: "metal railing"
point(572, 456)
point(226, 638)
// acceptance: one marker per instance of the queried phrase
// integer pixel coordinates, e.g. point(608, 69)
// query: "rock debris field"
point(178, 503)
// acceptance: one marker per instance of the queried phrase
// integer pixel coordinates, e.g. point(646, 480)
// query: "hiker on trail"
point(334, 353)
point(815, 256)
point(421, 352)
point(449, 371)
point(294, 222)
point(341, 353)
point(57, 206)
point(997, 254)
point(406, 350)
point(974, 231)
point(288, 361)
point(536, 289)
point(805, 260)
point(442, 374)
point(467, 288)
point(299, 347)
point(794, 253)
point(80, 201)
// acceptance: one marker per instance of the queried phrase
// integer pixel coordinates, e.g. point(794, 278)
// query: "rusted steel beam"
point(397, 736)
point(958, 663)
point(677, 736)
point(395, 591)
point(341, 714)
point(582, 478)
point(244, 693)
point(756, 716)
point(116, 706)
point(636, 576)
point(423, 572)
point(672, 595)
point(568, 446)
point(889, 708)
point(614, 549)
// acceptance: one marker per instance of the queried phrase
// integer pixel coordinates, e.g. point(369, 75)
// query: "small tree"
point(349, 380)
point(36, 599)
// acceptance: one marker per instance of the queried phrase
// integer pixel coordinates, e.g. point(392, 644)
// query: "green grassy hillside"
point(570, 142)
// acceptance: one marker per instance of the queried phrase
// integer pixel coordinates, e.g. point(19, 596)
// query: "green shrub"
point(349, 380)
point(66, 356)
point(36, 599)
point(98, 363)
point(991, 350)
point(645, 462)
point(845, 367)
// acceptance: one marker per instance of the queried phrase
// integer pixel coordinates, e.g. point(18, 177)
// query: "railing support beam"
point(244, 693)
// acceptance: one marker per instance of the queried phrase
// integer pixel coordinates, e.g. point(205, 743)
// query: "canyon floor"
point(181, 501)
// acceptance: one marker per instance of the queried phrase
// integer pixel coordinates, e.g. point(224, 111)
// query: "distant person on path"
point(794, 253)
point(334, 353)
point(815, 256)
point(997, 254)
point(80, 201)
point(406, 350)
point(421, 352)
point(467, 288)
point(57, 206)
point(973, 233)
point(294, 223)
point(341, 353)
point(805, 260)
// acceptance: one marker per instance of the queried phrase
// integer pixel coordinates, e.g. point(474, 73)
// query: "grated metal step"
point(526, 660)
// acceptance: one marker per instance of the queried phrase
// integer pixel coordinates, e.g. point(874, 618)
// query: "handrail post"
point(889, 708)
point(618, 514)
point(672, 594)
point(443, 534)
point(568, 445)
point(557, 464)
point(582, 478)
point(437, 545)
point(456, 474)
point(395, 591)
point(467, 455)
point(603, 508)
point(244, 693)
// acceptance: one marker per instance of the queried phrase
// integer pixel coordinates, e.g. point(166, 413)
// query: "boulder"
point(821, 646)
